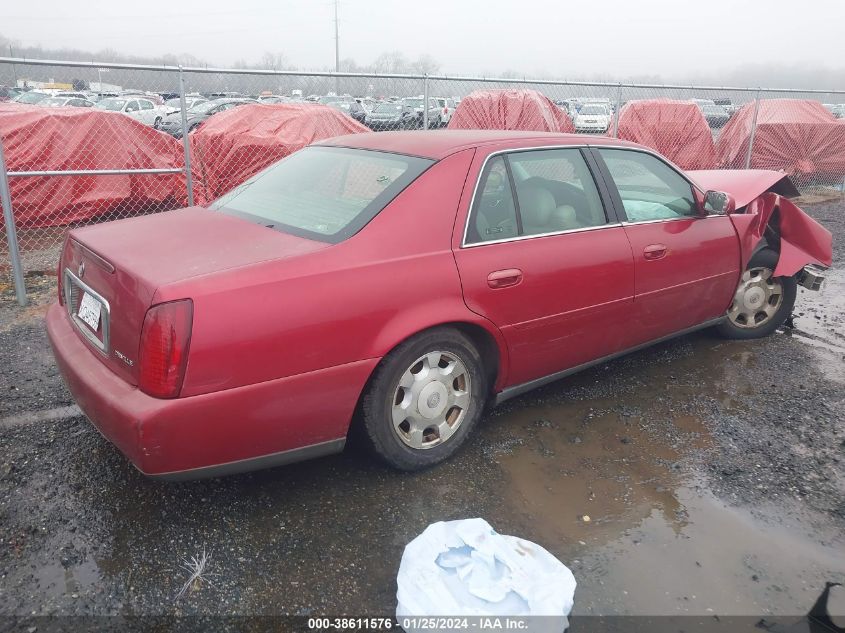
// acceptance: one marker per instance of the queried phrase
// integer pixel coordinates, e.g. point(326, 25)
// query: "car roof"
point(442, 143)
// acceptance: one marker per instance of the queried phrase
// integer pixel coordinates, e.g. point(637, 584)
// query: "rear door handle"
point(504, 278)
point(654, 251)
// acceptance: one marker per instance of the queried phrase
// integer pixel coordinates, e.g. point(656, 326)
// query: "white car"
point(59, 102)
point(592, 118)
point(140, 109)
point(174, 105)
point(447, 109)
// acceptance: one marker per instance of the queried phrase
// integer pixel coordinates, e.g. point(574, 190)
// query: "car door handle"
point(654, 251)
point(504, 278)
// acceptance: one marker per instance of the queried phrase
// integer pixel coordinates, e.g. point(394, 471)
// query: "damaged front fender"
point(766, 213)
point(801, 239)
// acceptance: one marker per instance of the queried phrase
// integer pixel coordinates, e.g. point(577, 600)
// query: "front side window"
point(650, 189)
point(323, 193)
point(146, 105)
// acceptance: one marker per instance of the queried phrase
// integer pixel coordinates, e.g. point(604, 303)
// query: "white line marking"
point(46, 415)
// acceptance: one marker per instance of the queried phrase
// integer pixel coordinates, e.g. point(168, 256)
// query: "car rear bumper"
point(214, 434)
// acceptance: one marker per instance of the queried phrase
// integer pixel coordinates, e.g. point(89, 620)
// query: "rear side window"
point(323, 193)
point(555, 192)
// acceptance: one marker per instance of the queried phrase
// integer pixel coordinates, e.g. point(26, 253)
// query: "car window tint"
point(146, 105)
point(321, 193)
point(132, 106)
point(555, 191)
point(650, 189)
point(494, 214)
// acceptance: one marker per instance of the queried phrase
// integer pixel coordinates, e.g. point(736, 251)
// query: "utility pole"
point(336, 51)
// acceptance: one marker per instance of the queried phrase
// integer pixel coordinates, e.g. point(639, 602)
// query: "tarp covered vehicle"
point(527, 110)
point(676, 129)
point(63, 139)
point(236, 144)
point(798, 137)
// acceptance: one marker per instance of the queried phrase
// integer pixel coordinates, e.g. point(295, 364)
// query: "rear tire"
point(424, 399)
point(762, 303)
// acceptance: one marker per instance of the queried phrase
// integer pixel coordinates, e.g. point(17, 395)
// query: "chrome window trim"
point(682, 217)
point(579, 146)
point(102, 346)
point(520, 238)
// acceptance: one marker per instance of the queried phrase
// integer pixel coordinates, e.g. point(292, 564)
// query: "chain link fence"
point(88, 142)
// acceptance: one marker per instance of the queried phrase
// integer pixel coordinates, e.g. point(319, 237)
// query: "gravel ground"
point(711, 473)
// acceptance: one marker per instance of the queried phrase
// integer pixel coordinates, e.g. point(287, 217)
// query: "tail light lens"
point(165, 338)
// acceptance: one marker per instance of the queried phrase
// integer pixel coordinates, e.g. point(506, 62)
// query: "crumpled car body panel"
point(759, 194)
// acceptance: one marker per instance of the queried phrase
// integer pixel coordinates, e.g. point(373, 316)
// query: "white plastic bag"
point(464, 568)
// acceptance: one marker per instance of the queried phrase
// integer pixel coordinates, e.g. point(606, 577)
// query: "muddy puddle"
point(621, 494)
point(819, 322)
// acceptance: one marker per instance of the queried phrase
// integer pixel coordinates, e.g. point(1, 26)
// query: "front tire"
point(762, 303)
point(424, 399)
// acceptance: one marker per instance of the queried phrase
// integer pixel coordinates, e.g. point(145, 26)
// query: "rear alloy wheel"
point(762, 302)
point(424, 399)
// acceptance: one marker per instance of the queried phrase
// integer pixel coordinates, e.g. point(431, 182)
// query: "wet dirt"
point(711, 473)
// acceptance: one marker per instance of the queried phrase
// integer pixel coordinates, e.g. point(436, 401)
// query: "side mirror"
point(719, 203)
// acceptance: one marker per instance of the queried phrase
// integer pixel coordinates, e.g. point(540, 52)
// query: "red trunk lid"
point(122, 264)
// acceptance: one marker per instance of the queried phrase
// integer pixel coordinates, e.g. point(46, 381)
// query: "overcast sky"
point(670, 38)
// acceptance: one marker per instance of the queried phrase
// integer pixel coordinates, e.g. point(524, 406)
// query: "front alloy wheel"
point(762, 302)
point(757, 299)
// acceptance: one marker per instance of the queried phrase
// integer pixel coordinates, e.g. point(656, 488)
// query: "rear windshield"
point(323, 193)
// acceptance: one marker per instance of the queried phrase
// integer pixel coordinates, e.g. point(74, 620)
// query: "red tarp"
point(60, 139)
point(234, 145)
point(526, 110)
point(796, 136)
point(675, 129)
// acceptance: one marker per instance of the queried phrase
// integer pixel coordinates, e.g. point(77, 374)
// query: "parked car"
point(32, 97)
point(592, 118)
point(416, 104)
point(200, 112)
point(391, 116)
point(139, 108)
point(273, 99)
point(175, 104)
point(350, 107)
point(716, 115)
point(59, 102)
point(447, 108)
point(7, 93)
point(405, 281)
point(836, 109)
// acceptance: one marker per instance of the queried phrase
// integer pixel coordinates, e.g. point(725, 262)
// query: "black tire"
point(375, 414)
point(765, 258)
point(157, 122)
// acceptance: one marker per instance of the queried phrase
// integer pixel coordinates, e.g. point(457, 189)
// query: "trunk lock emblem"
point(81, 270)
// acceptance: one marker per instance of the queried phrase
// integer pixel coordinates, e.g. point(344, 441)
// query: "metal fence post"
point(425, 101)
point(186, 144)
point(11, 231)
point(753, 131)
point(616, 111)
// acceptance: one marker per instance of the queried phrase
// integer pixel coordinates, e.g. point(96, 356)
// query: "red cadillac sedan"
point(403, 282)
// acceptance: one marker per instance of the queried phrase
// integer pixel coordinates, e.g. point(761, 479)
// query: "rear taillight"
point(165, 338)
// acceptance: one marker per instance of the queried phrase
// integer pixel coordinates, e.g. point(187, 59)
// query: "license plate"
point(89, 311)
